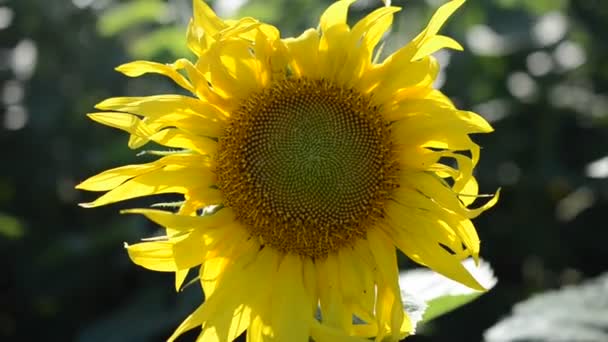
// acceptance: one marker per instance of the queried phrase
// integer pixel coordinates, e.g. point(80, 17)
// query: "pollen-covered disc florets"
point(306, 165)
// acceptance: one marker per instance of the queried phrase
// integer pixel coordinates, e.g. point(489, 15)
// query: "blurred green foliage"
point(538, 70)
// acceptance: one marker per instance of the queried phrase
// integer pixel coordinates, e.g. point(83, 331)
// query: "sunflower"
point(304, 164)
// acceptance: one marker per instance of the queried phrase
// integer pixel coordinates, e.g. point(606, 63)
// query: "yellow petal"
point(303, 52)
point(180, 277)
point(221, 304)
point(373, 26)
point(110, 179)
point(142, 132)
point(398, 72)
point(310, 282)
point(420, 241)
point(431, 112)
point(426, 211)
point(440, 225)
point(362, 41)
point(357, 285)
point(333, 310)
point(123, 121)
point(412, 157)
point(179, 253)
point(335, 14)
point(325, 333)
point(432, 187)
point(365, 268)
point(225, 63)
point(441, 16)
point(224, 315)
point(182, 222)
point(203, 27)
point(211, 272)
point(138, 68)
point(176, 138)
point(333, 51)
point(241, 65)
point(159, 105)
point(205, 18)
point(389, 307)
point(292, 312)
point(436, 258)
point(435, 43)
point(271, 52)
point(156, 182)
point(259, 329)
point(469, 192)
point(224, 246)
point(224, 328)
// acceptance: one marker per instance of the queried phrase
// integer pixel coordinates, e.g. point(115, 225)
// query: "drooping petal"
point(223, 315)
point(436, 113)
point(420, 240)
point(335, 14)
point(260, 329)
point(292, 312)
point(397, 74)
point(325, 333)
point(442, 14)
point(112, 178)
point(362, 41)
point(333, 50)
point(431, 187)
point(138, 68)
point(177, 253)
point(183, 222)
point(304, 54)
point(203, 26)
point(172, 137)
point(434, 44)
point(160, 106)
point(156, 182)
point(456, 228)
point(389, 307)
point(334, 313)
point(232, 68)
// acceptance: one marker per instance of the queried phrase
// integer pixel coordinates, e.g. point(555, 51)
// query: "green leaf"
point(130, 14)
point(428, 295)
point(10, 227)
point(171, 39)
point(572, 314)
point(442, 305)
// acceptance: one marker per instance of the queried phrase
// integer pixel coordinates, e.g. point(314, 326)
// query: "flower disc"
point(306, 165)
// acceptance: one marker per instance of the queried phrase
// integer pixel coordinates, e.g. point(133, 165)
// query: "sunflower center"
point(306, 166)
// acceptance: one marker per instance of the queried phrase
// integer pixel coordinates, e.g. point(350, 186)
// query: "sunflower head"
point(307, 166)
point(320, 162)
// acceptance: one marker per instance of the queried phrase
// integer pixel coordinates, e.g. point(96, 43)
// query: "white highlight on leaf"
point(228, 8)
point(522, 86)
point(427, 284)
point(550, 28)
point(539, 63)
point(421, 286)
point(572, 314)
point(6, 17)
point(494, 110)
point(484, 41)
point(575, 203)
point(24, 59)
point(597, 168)
point(15, 118)
point(569, 55)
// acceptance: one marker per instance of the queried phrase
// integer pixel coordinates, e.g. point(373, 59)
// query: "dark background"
point(537, 70)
